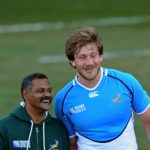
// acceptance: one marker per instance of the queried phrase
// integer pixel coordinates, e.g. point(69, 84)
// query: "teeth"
point(46, 101)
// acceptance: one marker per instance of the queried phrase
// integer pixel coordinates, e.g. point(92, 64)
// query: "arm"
point(3, 141)
point(73, 143)
point(145, 117)
point(58, 104)
point(141, 104)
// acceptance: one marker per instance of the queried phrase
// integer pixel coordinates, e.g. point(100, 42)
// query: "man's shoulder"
point(10, 119)
point(124, 77)
point(6, 121)
point(57, 121)
point(65, 89)
point(58, 124)
point(118, 73)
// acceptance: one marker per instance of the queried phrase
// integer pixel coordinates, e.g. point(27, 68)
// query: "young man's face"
point(39, 98)
point(87, 62)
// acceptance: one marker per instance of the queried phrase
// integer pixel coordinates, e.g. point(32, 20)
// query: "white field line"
point(27, 27)
point(107, 55)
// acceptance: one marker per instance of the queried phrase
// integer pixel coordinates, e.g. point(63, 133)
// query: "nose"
point(48, 93)
point(89, 60)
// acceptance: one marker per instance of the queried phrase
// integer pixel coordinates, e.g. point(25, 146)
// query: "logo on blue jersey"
point(93, 94)
point(77, 109)
point(117, 99)
point(21, 144)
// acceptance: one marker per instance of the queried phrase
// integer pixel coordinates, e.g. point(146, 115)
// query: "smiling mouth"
point(89, 68)
point(46, 101)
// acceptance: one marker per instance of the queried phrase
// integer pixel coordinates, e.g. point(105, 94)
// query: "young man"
point(30, 126)
point(97, 105)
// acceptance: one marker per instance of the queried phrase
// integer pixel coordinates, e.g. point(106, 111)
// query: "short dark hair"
point(27, 81)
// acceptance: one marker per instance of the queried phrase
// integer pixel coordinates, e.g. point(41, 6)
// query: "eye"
point(81, 57)
point(40, 91)
point(93, 55)
point(50, 90)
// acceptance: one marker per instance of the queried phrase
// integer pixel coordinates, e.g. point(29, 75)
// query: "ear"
point(72, 63)
point(25, 94)
point(101, 58)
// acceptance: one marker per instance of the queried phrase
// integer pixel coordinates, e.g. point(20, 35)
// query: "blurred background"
point(33, 34)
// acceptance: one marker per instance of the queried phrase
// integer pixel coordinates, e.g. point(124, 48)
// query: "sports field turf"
point(125, 33)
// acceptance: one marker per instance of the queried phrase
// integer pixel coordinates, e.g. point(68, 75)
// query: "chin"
point(46, 109)
point(46, 106)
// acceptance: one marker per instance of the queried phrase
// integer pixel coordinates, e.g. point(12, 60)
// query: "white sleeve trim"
point(72, 136)
point(140, 113)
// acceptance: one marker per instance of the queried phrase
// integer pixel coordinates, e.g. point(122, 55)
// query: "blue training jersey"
point(101, 113)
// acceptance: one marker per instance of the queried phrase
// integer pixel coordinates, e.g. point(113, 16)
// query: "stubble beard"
point(88, 78)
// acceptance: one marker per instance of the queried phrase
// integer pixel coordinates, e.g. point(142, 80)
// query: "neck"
point(36, 116)
point(38, 119)
point(89, 83)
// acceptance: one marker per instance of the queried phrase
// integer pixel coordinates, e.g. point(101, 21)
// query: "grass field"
point(20, 51)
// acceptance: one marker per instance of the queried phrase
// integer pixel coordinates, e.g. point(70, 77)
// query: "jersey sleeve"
point(141, 100)
point(58, 106)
